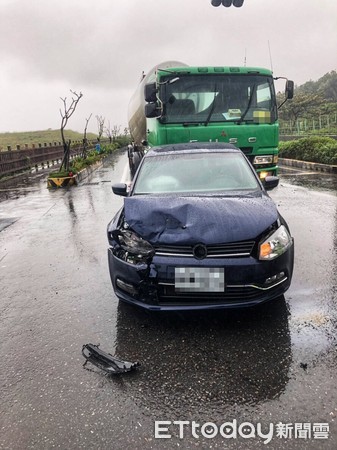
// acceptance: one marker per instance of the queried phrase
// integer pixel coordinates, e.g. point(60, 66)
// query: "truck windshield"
point(218, 98)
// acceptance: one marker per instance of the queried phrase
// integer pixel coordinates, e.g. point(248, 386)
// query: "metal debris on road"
point(106, 361)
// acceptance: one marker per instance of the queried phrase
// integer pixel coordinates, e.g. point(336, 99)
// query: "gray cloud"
point(102, 46)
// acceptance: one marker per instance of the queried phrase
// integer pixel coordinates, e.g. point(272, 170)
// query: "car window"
point(195, 172)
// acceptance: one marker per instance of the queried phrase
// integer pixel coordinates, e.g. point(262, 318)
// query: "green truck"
point(175, 103)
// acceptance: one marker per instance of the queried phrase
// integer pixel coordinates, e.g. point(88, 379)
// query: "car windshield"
point(195, 173)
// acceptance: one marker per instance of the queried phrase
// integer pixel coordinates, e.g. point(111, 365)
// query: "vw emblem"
point(200, 251)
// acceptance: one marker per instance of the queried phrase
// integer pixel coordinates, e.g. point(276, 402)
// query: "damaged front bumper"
point(152, 285)
point(105, 361)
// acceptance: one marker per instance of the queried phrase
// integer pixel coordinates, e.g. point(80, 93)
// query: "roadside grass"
point(36, 137)
point(312, 149)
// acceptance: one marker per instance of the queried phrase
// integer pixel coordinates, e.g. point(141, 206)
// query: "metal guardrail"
point(12, 161)
point(293, 137)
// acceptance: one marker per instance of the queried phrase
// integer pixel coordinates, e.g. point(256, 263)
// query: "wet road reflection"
point(277, 362)
point(311, 180)
point(214, 359)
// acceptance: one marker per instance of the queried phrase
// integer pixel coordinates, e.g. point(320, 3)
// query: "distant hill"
point(36, 137)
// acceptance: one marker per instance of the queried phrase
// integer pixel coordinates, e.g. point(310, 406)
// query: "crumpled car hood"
point(191, 220)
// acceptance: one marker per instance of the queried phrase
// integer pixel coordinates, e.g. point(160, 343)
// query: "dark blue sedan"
point(198, 231)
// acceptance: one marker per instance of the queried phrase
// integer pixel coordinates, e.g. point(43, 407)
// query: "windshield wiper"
point(248, 106)
point(212, 108)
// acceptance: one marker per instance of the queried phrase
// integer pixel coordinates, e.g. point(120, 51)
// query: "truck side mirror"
point(150, 92)
point(152, 110)
point(289, 89)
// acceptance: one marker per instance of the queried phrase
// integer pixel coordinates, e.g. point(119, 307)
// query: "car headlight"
point(133, 244)
point(263, 159)
point(275, 244)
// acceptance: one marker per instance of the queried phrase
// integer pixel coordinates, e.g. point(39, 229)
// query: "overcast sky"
point(101, 47)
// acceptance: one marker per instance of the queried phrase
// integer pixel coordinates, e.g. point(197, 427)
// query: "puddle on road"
point(313, 327)
point(6, 222)
point(311, 180)
point(22, 185)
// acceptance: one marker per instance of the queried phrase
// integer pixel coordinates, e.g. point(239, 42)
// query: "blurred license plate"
point(199, 279)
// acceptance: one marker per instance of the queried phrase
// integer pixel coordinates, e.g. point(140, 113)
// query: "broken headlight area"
point(145, 288)
point(131, 248)
point(148, 288)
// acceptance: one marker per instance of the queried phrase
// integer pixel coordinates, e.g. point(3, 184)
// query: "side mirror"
point(150, 92)
point(120, 189)
point(289, 89)
point(271, 182)
point(152, 110)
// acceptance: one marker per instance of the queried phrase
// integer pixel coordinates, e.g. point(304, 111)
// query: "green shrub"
point(79, 163)
point(314, 149)
point(109, 148)
point(62, 173)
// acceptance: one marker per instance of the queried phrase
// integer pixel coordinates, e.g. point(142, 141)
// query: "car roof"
point(192, 147)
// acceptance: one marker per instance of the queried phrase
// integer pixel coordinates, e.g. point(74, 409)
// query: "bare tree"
point(115, 131)
point(66, 113)
point(100, 124)
point(112, 133)
point(85, 140)
point(108, 132)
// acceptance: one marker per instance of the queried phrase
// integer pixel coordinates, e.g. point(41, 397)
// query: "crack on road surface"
point(48, 210)
point(3, 257)
point(20, 188)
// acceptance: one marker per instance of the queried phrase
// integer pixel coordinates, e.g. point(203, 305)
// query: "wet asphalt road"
point(275, 363)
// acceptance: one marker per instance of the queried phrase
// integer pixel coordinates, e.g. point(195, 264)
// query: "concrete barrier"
point(316, 167)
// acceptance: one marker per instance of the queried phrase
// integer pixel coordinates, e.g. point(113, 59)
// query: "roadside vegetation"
point(311, 117)
point(313, 110)
point(69, 167)
point(79, 163)
point(317, 149)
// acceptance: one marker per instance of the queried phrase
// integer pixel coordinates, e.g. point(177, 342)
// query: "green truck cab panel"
point(252, 139)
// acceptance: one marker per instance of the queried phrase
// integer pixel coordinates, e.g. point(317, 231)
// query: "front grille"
point(232, 294)
point(167, 293)
point(233, 249)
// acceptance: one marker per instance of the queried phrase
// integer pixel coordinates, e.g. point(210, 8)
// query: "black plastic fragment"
point(105, 361)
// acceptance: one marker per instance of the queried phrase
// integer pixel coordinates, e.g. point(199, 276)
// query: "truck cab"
point(236, 105)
